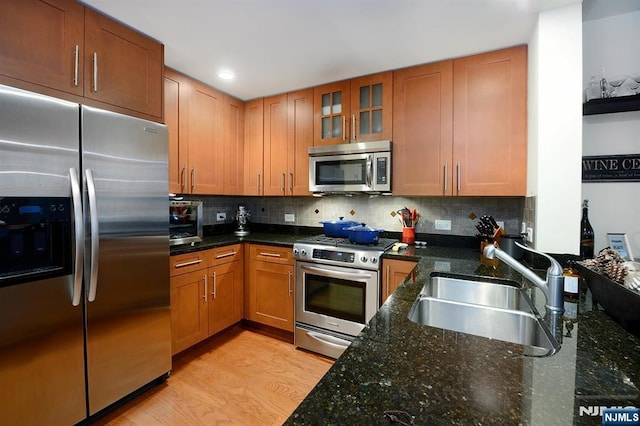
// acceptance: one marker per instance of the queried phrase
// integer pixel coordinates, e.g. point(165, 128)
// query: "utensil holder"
point(409, 235)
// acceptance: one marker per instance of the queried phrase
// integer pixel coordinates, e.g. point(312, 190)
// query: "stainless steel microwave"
point(355, 167)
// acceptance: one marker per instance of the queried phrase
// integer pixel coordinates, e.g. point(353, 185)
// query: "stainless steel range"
point(337, 284)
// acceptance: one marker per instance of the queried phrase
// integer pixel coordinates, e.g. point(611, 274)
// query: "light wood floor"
point(240, 377)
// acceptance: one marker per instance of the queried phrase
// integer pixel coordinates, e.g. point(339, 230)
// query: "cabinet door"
point(189, 299)
point(371, 107)
point(122, 67)
point(206, 156)
point(275, 145)
point(422, 130)
point(394, 272)
point(271, 293)
point(233, 141)
point(172, 118)
point(253, 147)
point(225, 293)
point(42, 42)
point(490, 126)
point(331, 107)
point(300, 135)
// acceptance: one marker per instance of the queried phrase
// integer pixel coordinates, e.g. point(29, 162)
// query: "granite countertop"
point(209, 242)
point(435, 376)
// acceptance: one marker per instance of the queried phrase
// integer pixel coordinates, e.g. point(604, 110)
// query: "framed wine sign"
point(611, 168)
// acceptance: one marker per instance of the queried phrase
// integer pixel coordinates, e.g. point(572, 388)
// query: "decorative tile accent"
point(472, 216)
point(352, 212)
point(317, 211)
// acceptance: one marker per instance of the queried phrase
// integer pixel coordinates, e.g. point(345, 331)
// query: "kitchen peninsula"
point(436, 376)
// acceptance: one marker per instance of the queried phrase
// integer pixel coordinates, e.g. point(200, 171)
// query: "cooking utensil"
point(363, 234)
point(336, 228)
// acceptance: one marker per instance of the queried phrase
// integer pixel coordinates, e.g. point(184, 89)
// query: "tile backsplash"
point(374, 211)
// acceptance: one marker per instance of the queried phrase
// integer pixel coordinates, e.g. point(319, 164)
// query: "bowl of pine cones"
point(615, 285)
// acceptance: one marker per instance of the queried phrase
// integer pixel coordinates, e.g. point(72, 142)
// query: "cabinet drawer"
point(188, 262)
point(273, 254)
point(220, 255)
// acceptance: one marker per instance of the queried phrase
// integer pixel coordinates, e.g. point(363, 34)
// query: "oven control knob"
point(364, 259)
point(303, 252)
point(295, 252)
point(374, 260)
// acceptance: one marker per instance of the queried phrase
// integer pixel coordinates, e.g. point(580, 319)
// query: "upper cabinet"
point(423, 129)
point(460, 126)
point(60, 48)
point(275, 145)
point(490, 123)
point(300, 138)
point(253, 183)
point(371, 107)
point(206, 137)
point(354, 110)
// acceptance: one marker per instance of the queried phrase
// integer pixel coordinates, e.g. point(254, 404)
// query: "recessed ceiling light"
point(226, 75)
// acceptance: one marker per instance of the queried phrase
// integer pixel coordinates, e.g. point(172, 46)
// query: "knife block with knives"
point(488, 232)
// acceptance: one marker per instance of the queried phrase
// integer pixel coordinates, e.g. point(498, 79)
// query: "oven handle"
point(338, 274)
point(329, 340)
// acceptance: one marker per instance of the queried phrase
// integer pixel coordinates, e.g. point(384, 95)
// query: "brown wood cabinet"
point(206, 137)
point(423, 130)
point(226, 280)
point(253, 147)
point(271, 286)
point(63, 49)
point(275, 145)
point(206, 294)
point(490, 122)
point(393, 273)
point(355, 110)
point(300, 138)
point(233, 146)
point(460, 126)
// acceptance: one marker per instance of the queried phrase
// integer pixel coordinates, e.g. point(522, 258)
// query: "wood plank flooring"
point(239, 377)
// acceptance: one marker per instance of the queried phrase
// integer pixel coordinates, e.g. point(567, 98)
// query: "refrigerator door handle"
point(93, 219)
point(76, 198)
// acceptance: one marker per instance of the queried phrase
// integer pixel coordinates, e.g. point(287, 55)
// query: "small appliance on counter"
point(241, 216)
point(185, 221)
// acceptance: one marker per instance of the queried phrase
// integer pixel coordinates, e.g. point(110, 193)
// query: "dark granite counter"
point(438, 376)
point(271, 238)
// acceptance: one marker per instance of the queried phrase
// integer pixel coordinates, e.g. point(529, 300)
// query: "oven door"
point(334, 298)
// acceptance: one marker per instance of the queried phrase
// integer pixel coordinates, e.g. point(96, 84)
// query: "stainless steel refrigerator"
point(84, 258)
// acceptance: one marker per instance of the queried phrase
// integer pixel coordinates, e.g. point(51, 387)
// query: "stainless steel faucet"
point(553, 287)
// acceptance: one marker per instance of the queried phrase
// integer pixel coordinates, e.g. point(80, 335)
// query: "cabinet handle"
point(221, 256)
point(270, 254)
point(353, 127)
point(192, 262)
point(282, 179)
point(458, 167)
point(193, 177)
point(291, 183)
point(206, 282)
point(182, 176)
point(76, 54)
point(344, 127)
point(289, 283)
point(446, 172)
point(258, 183)
point(95, 71)
point(213, 293)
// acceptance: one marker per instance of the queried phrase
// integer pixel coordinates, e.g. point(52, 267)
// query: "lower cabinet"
point(393, 273)
point(270, 286)
point(206, 294)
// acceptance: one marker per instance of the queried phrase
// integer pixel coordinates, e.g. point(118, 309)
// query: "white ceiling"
point(275, 46)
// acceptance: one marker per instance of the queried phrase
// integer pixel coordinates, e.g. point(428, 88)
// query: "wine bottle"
point(586, 233)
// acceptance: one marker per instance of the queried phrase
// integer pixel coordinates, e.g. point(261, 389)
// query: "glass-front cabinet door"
point(371, 107)
point(331, 111)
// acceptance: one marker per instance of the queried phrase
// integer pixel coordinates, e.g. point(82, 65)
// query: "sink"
point(495, 309)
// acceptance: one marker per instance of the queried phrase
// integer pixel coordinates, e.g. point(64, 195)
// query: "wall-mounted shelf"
point(609, 105)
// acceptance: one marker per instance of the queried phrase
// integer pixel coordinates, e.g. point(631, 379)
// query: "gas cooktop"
point(382, 244)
